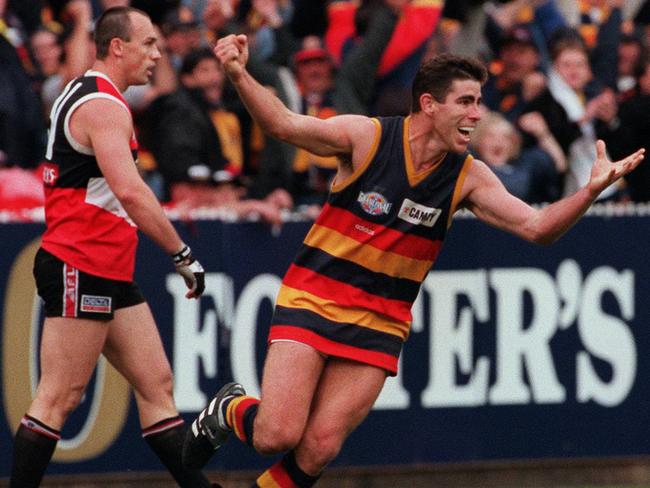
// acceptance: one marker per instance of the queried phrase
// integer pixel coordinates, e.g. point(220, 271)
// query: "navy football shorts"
point(69, 292)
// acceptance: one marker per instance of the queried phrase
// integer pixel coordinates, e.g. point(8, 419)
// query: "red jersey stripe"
point(369, 257)
point(379, 236)
point(344, 294)
point(326, 346)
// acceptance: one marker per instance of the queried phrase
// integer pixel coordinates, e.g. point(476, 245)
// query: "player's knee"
point(274, 438)
point(322, 446)
point(61, 401)
point(156, 387)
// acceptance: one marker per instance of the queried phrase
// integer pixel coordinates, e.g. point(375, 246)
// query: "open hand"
point(605, 172)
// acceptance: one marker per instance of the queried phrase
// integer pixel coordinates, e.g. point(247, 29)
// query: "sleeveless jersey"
point(87, 227)
point(350, 289)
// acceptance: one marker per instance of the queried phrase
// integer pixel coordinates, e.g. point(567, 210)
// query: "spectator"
point(356, 87)
point(514, 78)
point(400, 57)
point(533, 174)
point(571, 105)
point(197, 144)
point(22, 126)
point(631, 54)
point(314, 74)
point(182, 34)
point(633, 128)
point(62, 58)
point(266, 22)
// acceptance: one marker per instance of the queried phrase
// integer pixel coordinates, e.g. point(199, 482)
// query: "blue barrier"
point(516, 351)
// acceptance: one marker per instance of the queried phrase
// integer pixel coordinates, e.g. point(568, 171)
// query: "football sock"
point(240, 413)
point(34, 445)
point(165, 438)
point(285, 474)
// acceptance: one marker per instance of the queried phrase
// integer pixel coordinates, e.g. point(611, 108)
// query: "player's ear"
point(116, 46)
point(428, 104)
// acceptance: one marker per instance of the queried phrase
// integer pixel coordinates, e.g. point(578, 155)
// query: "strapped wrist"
point(182, 255)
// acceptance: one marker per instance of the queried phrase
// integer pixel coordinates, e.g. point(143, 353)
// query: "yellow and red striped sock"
point(240, 415)
point(285, 474)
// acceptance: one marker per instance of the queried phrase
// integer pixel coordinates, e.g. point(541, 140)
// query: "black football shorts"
point(69, 292)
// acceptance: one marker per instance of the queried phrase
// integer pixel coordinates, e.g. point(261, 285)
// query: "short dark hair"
point(194, 57)
point(437, 74)
point(114, 22)
point(566, 38)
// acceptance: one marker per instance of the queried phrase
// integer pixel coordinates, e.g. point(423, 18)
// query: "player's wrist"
point(183, 255)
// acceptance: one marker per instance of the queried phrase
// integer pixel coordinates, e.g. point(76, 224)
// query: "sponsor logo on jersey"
point(93, 303)
point(374, 203)
point(50, 174)
point(417, 214)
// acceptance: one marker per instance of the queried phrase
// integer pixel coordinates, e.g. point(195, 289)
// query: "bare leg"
point(134, 347)
point(291, 374)
point(69, 352)
point(346, 393)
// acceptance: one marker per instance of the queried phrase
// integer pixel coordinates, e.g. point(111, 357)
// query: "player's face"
point(455, 119)
point(141, 52)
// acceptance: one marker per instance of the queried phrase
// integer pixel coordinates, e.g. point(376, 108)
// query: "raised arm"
point(340, 135)
point(488, 199)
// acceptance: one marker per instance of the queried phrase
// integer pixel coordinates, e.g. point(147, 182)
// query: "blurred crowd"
point(563, 73)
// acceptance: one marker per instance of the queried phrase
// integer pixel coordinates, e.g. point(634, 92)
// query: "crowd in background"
point(563, 73)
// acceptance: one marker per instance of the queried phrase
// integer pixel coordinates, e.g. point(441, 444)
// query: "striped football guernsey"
point(87, 227)
point(350, 289)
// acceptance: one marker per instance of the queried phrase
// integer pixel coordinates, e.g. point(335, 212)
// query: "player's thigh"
point(291, 373)
point(346, 392)
point(69, 350)
point(135, 349)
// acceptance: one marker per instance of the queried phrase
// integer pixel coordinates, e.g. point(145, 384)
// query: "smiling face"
point(456, 117)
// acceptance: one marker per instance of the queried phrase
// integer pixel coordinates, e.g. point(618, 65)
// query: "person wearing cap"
point(514, 78)
point(182, 34)
point(314, 74)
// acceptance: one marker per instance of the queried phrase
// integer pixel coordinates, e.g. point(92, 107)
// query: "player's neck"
point(109, 70)
point(425, 149)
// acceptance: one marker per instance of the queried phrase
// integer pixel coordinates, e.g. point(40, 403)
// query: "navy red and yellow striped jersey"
point(350, 289)
point(87, 227)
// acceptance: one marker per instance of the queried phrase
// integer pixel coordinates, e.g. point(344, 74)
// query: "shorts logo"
point(374, 203)
point(418, 214)
point(92, 303)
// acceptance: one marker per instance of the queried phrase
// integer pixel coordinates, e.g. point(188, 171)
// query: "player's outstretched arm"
point(329, 137)
point(488, 199)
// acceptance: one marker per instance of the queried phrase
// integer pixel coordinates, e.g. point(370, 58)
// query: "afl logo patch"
point(374, 203)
